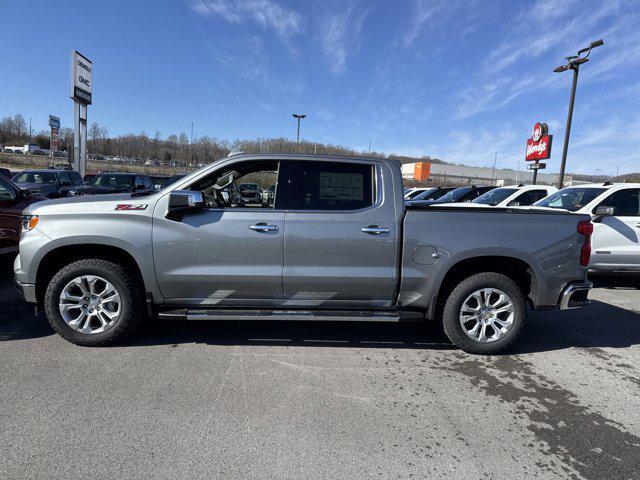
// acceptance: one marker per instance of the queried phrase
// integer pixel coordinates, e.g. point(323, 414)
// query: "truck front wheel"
point(93, 302)
point(485, 313)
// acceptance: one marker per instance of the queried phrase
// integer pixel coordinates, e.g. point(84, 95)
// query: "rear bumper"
point(575, 295)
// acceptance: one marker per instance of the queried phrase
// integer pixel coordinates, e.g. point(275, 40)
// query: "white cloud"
point(427, 12)
point(266, 13)
point(339, 36)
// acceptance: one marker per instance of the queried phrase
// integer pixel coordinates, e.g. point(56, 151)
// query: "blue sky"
point(454, 79)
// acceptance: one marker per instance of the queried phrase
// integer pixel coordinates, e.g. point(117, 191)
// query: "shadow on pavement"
point(600, 325)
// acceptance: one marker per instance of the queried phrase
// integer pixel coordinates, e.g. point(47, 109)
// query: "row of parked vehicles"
point(315, 238)
point(615, 209)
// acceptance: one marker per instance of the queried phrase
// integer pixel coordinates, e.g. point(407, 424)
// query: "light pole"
point(298, 117)
point(573, 63)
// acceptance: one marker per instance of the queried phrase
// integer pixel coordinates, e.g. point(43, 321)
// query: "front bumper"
point(28, 291)
point(575, 295)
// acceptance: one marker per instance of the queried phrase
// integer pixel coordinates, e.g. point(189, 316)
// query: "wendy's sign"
point(539, 145)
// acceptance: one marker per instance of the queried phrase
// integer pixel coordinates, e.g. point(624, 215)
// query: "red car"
point(12, 201)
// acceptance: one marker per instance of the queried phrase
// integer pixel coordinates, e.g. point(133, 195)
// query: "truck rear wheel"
point(93, 302)
point(485, 313)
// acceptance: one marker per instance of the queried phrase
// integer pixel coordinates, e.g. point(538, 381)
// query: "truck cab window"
point(332, 186)
point(241, 185)
point(625, 203)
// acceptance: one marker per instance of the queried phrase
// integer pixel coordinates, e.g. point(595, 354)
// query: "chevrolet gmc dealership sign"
point(81, 74)
point(539, 145)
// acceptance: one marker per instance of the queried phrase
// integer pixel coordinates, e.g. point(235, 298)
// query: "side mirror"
point(181, 200)
point(65, 183)
point(25, 194)
point(514, 204)
point(603, 211)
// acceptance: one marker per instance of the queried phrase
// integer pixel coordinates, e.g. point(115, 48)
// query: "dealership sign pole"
point(54, 139)
point(538, 148)
point(81, 88)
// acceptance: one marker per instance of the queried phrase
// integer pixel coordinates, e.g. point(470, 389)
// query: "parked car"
point(521, 195)
point(615, 210)
point(250, 193)
point(413, 192)
point(49, 183)
point(12, 201)
point(457, 195)
point(5, 172)
point(172, 179)
point(433, 193)
point(117, 183)
point(338, 244)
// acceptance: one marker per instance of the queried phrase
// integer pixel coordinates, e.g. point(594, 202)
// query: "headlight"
point(29, 222)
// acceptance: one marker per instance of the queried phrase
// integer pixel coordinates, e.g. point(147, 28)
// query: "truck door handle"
point(374, 230)
point(263, 227)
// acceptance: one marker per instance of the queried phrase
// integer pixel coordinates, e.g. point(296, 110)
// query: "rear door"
point(341, 235)
point(616, 239)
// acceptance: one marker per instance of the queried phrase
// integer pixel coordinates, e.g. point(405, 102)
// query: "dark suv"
point(117, 183)
point(49, 183)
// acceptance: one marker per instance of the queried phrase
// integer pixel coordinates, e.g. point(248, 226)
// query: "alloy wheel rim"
point(90, 304)
point(487, 315)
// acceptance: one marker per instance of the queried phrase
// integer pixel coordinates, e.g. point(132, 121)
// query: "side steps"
point(294, 315)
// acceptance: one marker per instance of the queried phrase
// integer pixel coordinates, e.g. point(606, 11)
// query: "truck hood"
point(91, 204)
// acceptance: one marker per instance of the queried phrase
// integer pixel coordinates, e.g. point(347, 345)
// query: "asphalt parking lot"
point(272, 400)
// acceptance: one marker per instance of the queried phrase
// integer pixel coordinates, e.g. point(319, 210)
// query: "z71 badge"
point(131, 206)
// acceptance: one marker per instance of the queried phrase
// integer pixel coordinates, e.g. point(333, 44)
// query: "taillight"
point(585, 228)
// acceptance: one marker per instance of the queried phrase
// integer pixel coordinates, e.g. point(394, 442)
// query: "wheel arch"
point(60, 256)
point(520, 271)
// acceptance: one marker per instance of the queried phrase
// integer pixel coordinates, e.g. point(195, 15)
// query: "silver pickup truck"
point(334, 243)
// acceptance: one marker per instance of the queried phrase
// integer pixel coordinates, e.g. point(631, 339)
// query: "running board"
point(294, 315)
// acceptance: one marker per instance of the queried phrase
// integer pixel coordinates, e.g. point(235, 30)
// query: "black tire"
point(453, 305)
point(131, 295)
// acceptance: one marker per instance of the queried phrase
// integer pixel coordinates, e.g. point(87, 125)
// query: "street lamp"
point(573, 63)
point(298, 117)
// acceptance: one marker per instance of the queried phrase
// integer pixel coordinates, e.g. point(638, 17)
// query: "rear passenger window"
point(625, 203)
point(331, 186)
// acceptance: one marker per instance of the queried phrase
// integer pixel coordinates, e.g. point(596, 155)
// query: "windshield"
point(455, 195)
point(36, 177)
point(571, 199)
point(495, 196)
point(413, 194)
point(423, 194)
point(112, 181)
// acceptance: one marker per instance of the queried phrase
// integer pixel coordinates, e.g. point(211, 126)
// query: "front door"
point(616, 239)
point(341, 235)
point(232, 252)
